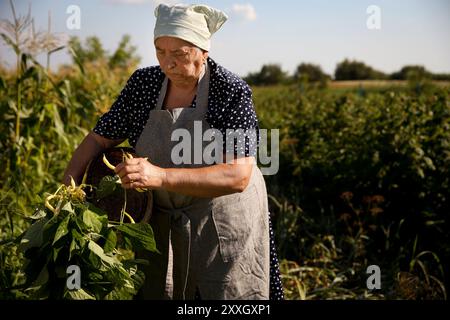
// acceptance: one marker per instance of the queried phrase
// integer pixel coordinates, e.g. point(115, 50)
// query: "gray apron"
point(218, 246)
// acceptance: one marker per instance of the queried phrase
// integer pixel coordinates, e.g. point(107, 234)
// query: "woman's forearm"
point(213, 181)
point(90, 147)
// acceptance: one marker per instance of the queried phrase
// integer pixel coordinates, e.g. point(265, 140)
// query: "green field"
point(363, 179)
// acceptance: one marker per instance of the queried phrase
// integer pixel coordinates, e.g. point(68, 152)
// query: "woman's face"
point(180, 60)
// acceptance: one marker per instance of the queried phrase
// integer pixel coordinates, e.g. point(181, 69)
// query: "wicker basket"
point(139, 204)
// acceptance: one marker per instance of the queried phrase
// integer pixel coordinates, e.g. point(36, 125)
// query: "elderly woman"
point(211, 221)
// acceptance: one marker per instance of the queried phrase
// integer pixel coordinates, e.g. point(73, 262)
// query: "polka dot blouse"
point(230, 106)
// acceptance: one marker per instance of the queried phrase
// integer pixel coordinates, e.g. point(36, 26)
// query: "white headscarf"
point(193, 23)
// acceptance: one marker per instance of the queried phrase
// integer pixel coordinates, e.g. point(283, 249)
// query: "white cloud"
point(246, 11)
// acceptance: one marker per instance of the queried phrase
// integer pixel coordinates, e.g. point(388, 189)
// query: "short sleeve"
point(241, 124)
point(115, 124)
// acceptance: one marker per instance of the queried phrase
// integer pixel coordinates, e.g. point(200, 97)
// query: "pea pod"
point(107, 163)
point(129, 217)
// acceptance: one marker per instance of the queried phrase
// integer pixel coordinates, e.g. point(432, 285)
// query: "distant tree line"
point(92, 51)
point(271, 74)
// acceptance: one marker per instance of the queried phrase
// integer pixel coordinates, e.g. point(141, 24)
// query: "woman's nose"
point(170, 62)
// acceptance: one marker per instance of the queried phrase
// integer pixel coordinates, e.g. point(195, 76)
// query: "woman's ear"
point(205, 55)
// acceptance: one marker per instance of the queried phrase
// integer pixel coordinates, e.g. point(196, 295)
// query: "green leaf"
point(56, 252)
point(58, 124)
point(10, 42)
point(50, 228)
point(107, 186)
point(29, 73)
point(73, 246)
point(38, 214)
point(33, 236)
point(62, 229)
point(42, 278)
point(77, 59)
point(138, 278)
point(101, 213)
point(111, 241)
point(68, 207)
point(82, 227)
point(98, 251)
point(127, 244)
point(95, 276)
point(119, 294)
point(140, 234)
point(78, 243)
point(92, 221)
point(78, 237)
point(79, 294)
point(56, 49)
point(143, 262)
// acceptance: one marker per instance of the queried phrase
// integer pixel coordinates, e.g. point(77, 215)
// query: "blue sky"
point(258, 32)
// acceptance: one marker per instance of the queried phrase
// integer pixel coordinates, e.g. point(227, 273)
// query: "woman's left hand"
point(140, 173)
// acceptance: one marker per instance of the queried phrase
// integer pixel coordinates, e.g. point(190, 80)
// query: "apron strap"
point(180, 237)
point(180, 226)
point(162, 94)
